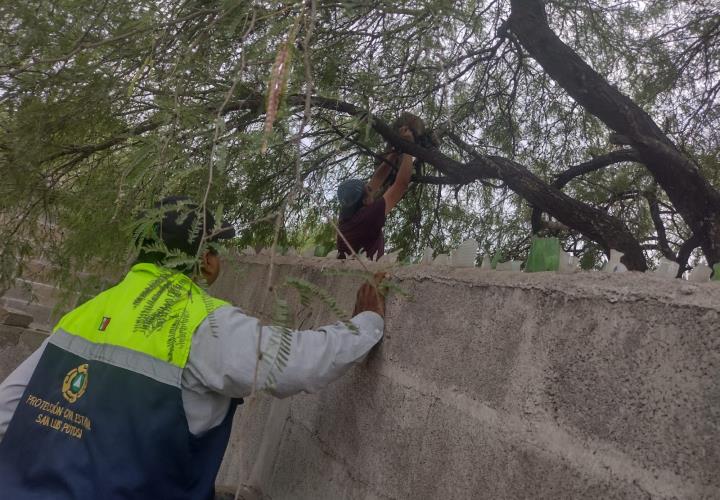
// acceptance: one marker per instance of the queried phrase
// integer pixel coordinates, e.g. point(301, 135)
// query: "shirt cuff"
point(369, 323)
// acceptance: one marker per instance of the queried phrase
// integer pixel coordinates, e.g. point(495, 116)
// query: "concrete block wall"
point(495, 385)
point(16, 344)
point(36, 294)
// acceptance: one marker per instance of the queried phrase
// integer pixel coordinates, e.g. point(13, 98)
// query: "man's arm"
point(382, 172)
point(223, 358)
point(398, 189)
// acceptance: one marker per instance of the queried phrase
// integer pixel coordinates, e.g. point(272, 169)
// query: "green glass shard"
point(544, 255)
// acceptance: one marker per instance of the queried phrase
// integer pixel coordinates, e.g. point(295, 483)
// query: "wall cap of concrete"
point(627, 286)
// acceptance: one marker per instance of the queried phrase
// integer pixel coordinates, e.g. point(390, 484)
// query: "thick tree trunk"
point(695, 199)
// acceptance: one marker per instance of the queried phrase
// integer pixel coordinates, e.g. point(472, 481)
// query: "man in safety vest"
point(133, 394)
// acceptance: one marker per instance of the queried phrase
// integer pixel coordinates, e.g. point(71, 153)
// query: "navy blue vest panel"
point(104, 432)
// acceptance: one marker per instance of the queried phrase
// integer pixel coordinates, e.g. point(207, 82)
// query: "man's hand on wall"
point(369, 297)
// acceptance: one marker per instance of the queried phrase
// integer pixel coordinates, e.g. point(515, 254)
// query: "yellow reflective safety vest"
point(102, 415)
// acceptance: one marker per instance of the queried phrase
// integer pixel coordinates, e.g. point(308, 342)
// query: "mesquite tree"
point(595, 121)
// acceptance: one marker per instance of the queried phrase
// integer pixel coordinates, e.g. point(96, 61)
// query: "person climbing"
point(133, 394)
point(363, 212)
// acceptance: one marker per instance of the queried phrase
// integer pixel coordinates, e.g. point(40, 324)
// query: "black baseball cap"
point(179, 228)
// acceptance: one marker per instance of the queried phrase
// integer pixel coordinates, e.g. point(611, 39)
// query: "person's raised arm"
point(382, 172)
point(398, 189)
point(223, 357)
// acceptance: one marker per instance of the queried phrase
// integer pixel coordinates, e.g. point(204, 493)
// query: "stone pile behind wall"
point(496, 385)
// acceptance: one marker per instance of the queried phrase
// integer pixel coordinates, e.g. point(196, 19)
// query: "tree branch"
point(693, 196)
point(597, 163)
point(684, 253)
point(663, 244)
point(571, 173)
point(431, 179)
point(595, 224)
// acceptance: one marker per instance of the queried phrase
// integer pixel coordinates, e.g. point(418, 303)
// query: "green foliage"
point(309, 291)
point(165, 299)
point(591, 258)
point(279, 345)
point(108, 106)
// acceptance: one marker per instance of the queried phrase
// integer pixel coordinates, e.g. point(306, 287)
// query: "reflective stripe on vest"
point(102, 416)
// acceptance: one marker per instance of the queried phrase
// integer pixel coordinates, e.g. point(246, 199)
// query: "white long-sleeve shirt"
point(222, 359)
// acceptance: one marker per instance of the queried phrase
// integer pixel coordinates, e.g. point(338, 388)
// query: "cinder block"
point(642, 376)
point(473, 348)
point(309, 471)
point(245, 442)
point(40, 315)
point(462, 457)
point(13, 351)
point(370, 424)
point(42, 293)
point(13, 317)
point(10, 335)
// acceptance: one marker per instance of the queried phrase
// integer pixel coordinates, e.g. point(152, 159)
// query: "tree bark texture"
point(691, 194)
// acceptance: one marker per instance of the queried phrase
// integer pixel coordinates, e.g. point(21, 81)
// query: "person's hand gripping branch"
point(392, 163)
point(369, 296)
point(395, 192)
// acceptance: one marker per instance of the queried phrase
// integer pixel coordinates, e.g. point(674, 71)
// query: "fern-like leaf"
point(308, 291)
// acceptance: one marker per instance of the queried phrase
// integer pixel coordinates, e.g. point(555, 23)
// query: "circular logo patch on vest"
point(75, 383)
